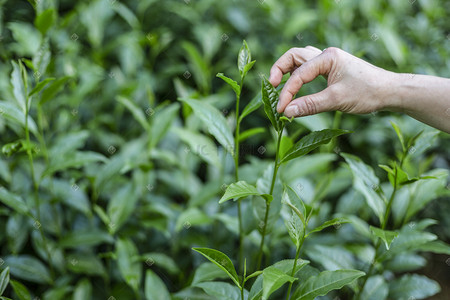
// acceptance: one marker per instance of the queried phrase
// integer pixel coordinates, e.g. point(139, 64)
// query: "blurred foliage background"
point(121, 189)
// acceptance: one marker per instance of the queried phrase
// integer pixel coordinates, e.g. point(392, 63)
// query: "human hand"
point(354, 86)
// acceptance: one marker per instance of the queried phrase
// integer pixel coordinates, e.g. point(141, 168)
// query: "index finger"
point(290, 61)
point(320, 65)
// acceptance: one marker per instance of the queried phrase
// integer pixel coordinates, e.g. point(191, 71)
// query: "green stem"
point(297, 254)
point(236, 175)
point(266, 216)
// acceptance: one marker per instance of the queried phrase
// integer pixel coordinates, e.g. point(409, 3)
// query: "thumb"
point(311, 104)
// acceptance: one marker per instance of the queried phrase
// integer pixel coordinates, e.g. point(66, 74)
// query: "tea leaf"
point(251, 132)
point(413, 286)
point(334, 222)
point(4, 280)
point(375, 288)
point(50, 92)
point(234, 85)
point(83, 290)
point(40, 86)
point(366, 183)
point(270, 99)
point(437, 247)
point(245, 62)
point(11, 112)
point(220, 290)
point(45, 20)
point(28, 268)
point(253, 105)
point(208, 271)
point(215, 122)
point(137, 113)
point(222, 261)
point(311, 141)
point(273, 279)
point(399, 135)
point(85, 238)
point(20, 290)
point(121, 206)
point(385, 235)
point(161, 122)
point(129, 267)
point(155, 288)
point(18, 85)
point(14, 201)
point(325, 282)
point(238, 190)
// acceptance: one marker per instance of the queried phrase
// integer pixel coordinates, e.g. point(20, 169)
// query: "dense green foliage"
point(122, 153)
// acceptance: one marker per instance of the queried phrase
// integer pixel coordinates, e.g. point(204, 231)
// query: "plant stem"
point(236, 175)
point(297, 254)
point(266, 216)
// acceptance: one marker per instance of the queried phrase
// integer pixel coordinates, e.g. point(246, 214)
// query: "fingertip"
point(274, 77)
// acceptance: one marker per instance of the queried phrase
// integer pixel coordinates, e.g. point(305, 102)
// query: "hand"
point(354, 86)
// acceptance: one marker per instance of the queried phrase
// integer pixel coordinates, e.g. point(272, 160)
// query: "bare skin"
point(357, 87)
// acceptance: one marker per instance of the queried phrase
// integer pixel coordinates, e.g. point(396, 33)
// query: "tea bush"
point(142, 157)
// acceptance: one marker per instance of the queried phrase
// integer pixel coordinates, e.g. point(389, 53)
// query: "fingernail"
point(292, 111)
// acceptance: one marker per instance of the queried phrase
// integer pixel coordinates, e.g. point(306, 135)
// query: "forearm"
point(425, 98)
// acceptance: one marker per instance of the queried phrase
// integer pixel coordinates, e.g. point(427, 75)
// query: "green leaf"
point(311, 141)
point(161, 122)
point(208, 271)
point(20, 290)
point(331, 257)
point(40, 86)
point(85, 264)
point(89, 237)
point(222, 261)
point(367, 184)
point(244, 59)
point(200, 145)
point(413, 286)
point(215, 122)
point(375, 288)
point(270, 99)
point(200, 68)
point(273, 279)
point(192, 217)
point(28, 39)
point(83, 290)
point(155, 289)
point(163, 261)
point(220, 290)
point(50, 92)
point(4, 280)
point(14, 201)
point(130, 268)
point(325, 282)
point(28, 268)
point(405, 262)
point(234, 85)
point(296, 224)
point(121, 207)
point(11, 112)
point(385, 235)
point(75, 159)
point(137, 113)
point(45, 20)
point(333, 222)
point(250, 107)
point(424, 191)
point(399, 135)
point(18, 85)
point(248, 67)
point(238, 190)
point(250, 132)
point(437, 247)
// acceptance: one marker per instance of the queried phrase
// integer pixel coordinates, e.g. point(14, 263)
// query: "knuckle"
point(309, 106)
